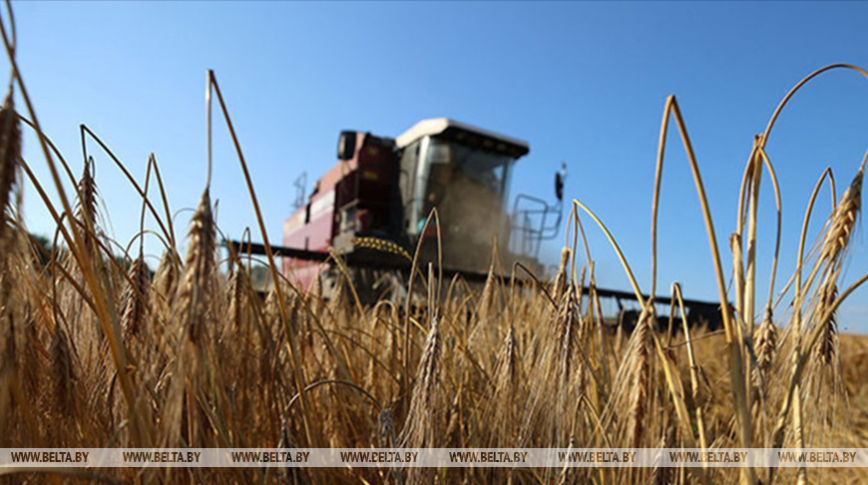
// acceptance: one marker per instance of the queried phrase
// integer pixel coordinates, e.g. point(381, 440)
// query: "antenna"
point(300, 185)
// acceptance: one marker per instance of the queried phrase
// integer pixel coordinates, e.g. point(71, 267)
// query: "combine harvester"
point(379, 195)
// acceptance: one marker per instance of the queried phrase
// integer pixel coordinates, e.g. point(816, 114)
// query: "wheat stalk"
point(195, 290)
point(766, 343)
point(134, 301)
point(10, 154)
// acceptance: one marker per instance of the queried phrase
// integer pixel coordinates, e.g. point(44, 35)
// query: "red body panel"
point(310, 228)
point(363, 184)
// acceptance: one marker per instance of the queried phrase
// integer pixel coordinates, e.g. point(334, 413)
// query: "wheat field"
point(97, 351)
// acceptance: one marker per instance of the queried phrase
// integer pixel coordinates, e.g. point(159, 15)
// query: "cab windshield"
point(468, 186)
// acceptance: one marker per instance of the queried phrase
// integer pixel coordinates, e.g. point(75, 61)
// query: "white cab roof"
point(436, 126)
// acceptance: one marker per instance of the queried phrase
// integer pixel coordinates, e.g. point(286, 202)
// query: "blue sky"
point(583, 82)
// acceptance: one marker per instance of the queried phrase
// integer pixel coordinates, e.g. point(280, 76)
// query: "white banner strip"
point(435, 457)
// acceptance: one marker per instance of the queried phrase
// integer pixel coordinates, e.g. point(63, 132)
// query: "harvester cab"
point(464, 172)
point(382, 190)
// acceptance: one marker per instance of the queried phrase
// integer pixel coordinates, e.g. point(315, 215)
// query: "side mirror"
point(559, 181)
point(346, 145)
